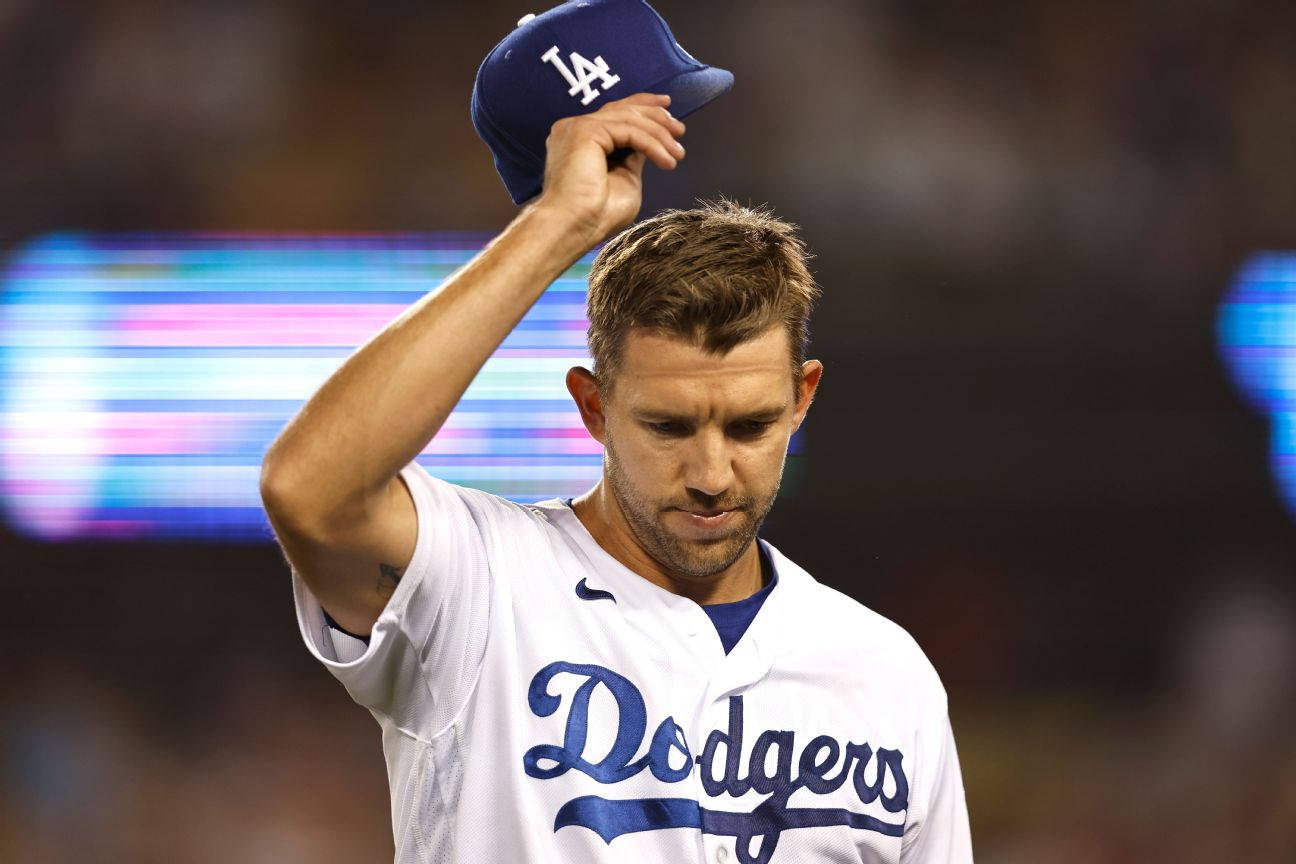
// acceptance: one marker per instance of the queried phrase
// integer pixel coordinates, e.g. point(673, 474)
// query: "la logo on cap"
point(515, 104)
point(587, 70)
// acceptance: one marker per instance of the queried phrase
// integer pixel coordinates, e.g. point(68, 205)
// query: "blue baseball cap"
point(571, 60)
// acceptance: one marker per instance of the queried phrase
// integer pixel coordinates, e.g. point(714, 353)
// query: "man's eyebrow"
point(763, 414)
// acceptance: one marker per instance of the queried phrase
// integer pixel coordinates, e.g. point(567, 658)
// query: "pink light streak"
point(250, 324)
point(172, 325)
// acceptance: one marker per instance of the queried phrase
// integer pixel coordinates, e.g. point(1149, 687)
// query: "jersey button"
point(722, 854)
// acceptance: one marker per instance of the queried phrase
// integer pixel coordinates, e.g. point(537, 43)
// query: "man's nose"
point(709, 465)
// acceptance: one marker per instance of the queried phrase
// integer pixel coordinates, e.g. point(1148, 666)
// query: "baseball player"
point(635, 674)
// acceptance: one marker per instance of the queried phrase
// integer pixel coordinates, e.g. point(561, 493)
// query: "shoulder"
point(461, 529)
point(436, 498)
point(848, 634)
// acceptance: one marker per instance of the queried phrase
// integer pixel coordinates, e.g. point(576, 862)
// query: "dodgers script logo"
point(587, 70)
point(610, 818)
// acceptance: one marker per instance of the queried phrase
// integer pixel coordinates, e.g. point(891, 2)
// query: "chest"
point(629, 725)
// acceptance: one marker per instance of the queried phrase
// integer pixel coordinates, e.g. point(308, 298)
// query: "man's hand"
point(581, 186)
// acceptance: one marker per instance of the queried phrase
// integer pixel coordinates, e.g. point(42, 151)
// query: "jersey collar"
point(753, 656)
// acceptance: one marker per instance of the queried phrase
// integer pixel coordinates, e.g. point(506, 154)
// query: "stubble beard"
point(696, 561)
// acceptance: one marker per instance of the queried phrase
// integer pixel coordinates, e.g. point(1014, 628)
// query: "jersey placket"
point(733, 674)
point(702, 677)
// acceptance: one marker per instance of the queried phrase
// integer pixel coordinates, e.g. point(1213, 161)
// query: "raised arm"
point(329, 481)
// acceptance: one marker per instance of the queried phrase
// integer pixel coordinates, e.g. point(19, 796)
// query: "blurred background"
point(1028, 448)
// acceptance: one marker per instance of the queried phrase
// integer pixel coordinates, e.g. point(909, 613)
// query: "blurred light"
point(144, 376)
point(1257, 337)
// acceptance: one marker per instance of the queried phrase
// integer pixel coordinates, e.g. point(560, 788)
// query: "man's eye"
point(750, 428)
point(667, 428)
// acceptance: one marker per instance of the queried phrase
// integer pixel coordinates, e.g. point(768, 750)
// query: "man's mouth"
point(703, 524)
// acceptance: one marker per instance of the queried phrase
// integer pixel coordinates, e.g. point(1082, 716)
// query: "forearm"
point(383, 405)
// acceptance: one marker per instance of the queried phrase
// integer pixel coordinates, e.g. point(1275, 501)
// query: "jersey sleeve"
point(939, 834)
point(425, 650)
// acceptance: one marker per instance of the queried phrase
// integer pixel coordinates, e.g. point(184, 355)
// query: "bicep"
point(354, 565)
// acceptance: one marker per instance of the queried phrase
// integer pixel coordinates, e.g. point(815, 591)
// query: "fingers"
point(646, 134)
point(659, 115)
point(645, 97)
point(634, 163)
point(644, 125)
point(615, 134)
point(647, 104)
point(641, 122)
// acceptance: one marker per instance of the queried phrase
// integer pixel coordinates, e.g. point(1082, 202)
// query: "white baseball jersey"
point(540, 702)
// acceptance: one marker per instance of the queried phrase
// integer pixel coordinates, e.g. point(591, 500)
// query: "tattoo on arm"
point(388, 578)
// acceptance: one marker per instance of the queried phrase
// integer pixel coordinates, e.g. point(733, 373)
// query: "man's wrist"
point(563, 237)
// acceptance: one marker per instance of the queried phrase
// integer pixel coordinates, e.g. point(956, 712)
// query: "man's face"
point(694, 445)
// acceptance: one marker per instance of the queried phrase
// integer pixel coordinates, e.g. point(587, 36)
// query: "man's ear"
point(585, 393)
point(811, 372)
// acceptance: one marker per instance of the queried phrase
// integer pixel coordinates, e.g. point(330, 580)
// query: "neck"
point(602, 517)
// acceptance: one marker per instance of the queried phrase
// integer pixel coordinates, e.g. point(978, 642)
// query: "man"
point(632, 675)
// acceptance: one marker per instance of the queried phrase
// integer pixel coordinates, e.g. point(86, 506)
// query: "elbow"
point(300, 502)
point(274, 479)
point(283, 495)
point(292, 510)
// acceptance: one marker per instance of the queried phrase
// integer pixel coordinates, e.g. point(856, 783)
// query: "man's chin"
point(707, 557)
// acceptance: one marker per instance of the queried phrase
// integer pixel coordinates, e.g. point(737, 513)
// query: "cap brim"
point(689, 91)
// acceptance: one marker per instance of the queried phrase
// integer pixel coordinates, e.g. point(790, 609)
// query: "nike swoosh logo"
point(585, 592)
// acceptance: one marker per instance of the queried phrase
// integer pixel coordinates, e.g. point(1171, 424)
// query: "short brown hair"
point(717, 275)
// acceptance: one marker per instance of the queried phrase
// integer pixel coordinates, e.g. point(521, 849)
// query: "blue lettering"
point(887, 760)
point(812, 773)
point(768, 770)
point(631, 722)
point(732, 741)
point(669, 736)
point(782, 777)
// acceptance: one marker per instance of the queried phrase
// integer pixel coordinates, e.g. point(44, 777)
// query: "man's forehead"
point(649, 355)
point(662, 375)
